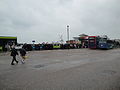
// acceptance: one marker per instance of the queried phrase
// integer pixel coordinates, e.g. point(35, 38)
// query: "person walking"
point(23, 53)
point(13, 54)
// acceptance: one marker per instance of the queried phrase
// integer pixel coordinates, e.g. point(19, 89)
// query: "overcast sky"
point(46, 20)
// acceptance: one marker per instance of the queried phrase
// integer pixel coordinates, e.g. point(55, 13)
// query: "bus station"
point(82, 64)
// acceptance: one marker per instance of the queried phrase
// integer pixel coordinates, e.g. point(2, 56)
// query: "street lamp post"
point(68, 33)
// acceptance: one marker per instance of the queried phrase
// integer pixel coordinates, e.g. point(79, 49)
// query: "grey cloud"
point(40, 19)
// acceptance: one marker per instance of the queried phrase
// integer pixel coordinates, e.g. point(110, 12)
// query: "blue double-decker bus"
point(104, 43)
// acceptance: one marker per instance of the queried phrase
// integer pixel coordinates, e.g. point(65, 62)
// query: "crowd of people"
point(30, 47)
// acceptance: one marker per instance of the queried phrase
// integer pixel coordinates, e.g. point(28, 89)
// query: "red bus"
point(92, 42)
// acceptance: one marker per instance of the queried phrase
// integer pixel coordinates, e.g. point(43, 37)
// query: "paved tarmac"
point(73, 69)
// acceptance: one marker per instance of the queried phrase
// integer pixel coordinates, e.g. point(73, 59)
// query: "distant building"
point(83, 35)
point(73, 42)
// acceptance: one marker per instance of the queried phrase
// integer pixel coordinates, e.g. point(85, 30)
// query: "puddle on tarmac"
point(39, 66)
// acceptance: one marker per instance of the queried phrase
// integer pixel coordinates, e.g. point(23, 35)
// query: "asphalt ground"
point(73, 69)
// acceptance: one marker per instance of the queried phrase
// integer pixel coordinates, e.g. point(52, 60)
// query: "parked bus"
point(92, 42)
point(97, 42)
point(104, 43)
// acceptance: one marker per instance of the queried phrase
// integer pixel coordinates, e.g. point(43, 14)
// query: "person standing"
point(23, 53)
point(13, 54)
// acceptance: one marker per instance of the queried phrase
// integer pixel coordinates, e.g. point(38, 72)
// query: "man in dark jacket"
point(13, 54)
